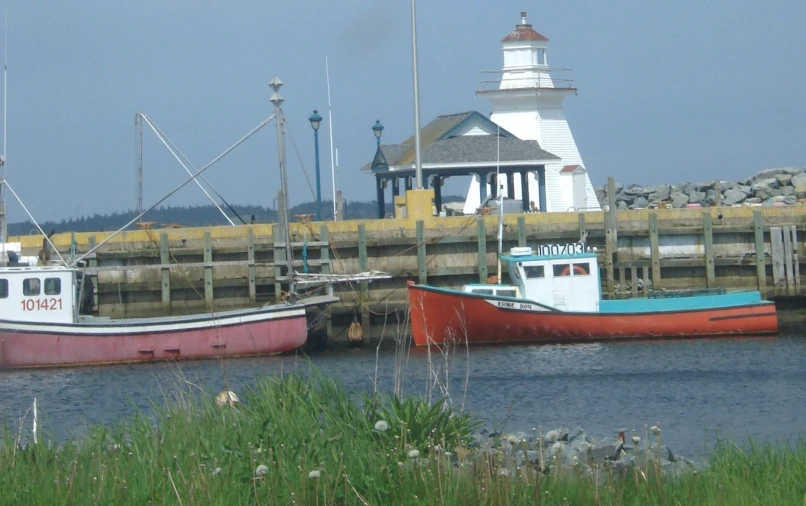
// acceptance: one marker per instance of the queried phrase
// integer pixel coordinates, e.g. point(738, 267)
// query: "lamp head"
point(377, 129)
point(315, 120)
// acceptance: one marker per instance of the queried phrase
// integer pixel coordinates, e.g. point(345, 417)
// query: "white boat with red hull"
point(42, 325)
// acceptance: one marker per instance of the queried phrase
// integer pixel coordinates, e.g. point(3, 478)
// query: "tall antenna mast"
point(330, 131)
point(3, 218)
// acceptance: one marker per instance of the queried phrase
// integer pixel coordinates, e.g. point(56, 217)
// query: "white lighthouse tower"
point(527, 100)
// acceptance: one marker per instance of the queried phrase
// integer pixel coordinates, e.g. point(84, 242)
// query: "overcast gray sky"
point(668, 91)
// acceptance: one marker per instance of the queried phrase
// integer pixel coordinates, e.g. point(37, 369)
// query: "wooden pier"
point(185, 270)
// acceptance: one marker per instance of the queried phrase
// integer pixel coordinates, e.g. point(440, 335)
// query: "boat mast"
point(500, 198)
point(330, 132)
point(279, 119)
point(3, 219)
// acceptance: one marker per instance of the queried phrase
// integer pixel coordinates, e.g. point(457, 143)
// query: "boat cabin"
point(562, 276)
point(38, 294)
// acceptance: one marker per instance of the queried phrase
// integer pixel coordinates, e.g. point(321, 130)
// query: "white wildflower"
point(381, 426)
point(314, 475)
point(655, 429)
point(636, 440)
point(261, 470)
point(413, 454)
point(216, 472)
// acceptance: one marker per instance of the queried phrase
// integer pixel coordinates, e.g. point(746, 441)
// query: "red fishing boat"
point(555, 296)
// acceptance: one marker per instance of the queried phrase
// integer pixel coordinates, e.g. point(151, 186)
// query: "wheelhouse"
point(562, 276)
point(38, 294)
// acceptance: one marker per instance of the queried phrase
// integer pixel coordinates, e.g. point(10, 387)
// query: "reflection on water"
point(695, 389)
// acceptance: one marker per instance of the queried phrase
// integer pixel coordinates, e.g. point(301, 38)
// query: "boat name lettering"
point(46, 304)
point(571, 248)
point(513, 305)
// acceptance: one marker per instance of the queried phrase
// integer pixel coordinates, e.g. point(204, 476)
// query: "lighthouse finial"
point(523, 17)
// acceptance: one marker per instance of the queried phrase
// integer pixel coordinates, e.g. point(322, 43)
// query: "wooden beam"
point(521, 231)
point(165, 273)
point(761, 266)
point(208, 269)
point(481, 236)
point(421, 266)
point(250, 269)
point(654, 250)
point(708, 235)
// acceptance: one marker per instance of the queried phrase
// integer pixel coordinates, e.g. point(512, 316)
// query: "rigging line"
point(198, 183)
point(299, 158)
point(163, 199)
point(33, 219)
point(194, 168)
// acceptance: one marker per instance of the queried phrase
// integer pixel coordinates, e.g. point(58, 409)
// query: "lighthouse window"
point(53, 286)
point(3, 288)
point(541, 56)
point(30, 287)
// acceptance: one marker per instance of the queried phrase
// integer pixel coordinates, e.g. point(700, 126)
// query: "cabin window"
point(30, 287)
point(53, 286)
point(533, 271)
point(3, 288)
point(562, 270)
point(582, 269)
point(506, 292)
point(483, 291)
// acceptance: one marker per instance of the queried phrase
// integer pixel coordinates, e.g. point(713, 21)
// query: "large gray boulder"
point(662, 191)
point(736, 196)
point(765, 193)
point(696, 197)
point(768, 173)
point(798, 179)
point(679, 199)
point(765, 184)
point(783, 179)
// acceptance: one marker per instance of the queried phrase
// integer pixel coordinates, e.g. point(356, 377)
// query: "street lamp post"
point(377, 129)
point(316, 120)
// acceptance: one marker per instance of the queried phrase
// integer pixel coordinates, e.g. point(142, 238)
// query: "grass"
point(296, 440)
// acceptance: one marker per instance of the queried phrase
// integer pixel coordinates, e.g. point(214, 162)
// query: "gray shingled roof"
point(461, 149)
point(484, 148)
point(470, 149)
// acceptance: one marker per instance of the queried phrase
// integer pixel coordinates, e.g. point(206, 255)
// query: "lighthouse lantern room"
point(527, 100)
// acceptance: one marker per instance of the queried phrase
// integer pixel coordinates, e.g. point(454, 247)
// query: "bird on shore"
point(227, 397)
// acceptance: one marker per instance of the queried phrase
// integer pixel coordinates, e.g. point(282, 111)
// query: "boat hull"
point(272, 330)
point(439, 316)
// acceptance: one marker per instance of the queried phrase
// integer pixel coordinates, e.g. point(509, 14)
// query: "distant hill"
point(202, 216)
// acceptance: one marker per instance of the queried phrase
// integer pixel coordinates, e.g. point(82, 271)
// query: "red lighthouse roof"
point(524, 31)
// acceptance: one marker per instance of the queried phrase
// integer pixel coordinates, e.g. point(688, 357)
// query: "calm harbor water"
point(697, 390)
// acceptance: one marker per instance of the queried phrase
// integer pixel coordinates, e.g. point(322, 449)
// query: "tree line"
point(201, 216)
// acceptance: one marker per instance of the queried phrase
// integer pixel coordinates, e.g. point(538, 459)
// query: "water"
point(697, 390)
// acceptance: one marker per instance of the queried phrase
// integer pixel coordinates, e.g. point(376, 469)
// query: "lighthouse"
point(527, 100)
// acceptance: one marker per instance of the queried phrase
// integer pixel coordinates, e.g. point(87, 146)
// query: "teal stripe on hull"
point(642, 305)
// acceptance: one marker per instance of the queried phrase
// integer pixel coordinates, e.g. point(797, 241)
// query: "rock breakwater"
point(770, 187)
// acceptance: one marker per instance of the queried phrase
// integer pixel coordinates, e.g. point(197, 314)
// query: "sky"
point(668, 91)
